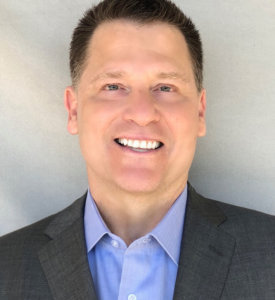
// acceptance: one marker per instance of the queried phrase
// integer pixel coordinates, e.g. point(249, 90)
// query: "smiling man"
point(141, 231)
point(138, 112)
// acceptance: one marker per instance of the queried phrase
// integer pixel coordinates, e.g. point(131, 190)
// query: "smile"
point(139, 145)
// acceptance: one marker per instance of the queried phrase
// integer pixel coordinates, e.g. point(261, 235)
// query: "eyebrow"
point(172, 75)
point(113, 75)
point(120, 74)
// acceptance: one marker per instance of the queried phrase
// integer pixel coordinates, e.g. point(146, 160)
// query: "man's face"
point(136, 108)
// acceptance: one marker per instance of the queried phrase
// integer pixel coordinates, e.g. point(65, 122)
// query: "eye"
point(165, 88)
point(111, 87)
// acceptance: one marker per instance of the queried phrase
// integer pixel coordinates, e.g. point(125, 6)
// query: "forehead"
point(135, 47)
point(124, 32)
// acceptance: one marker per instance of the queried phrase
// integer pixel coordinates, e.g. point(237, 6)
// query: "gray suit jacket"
point(227, 252)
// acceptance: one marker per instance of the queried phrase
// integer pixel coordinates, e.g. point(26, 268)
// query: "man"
point(141, 231)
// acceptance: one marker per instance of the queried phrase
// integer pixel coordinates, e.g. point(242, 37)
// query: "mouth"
point(139, 145)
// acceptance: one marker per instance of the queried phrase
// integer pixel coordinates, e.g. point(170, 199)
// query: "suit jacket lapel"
point(64, 258)
point(206, 251)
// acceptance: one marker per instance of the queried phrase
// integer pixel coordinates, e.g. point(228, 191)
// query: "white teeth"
point(139, 144)
point(142, 144)
point(136, 144)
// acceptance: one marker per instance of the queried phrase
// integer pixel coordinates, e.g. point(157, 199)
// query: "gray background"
point(41, 169)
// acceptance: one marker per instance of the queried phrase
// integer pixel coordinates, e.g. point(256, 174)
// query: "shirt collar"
point(94, 226)
point(168, 232)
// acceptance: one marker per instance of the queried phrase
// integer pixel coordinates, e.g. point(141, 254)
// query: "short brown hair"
point(141, 11)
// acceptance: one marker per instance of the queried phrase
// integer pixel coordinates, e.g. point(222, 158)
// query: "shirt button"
point(114, 243)
point(132, 297)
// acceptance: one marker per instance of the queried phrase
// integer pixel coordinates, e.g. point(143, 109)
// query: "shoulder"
point(246, 222)
point(250, 229)
point(37, 234)
point(254, 234)
point(21, 246)
point(19, 261)
point(252, 269)
point(236, 220)
point(20, 267)
point(32, 234)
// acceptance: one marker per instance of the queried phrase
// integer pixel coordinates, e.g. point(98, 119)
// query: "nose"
point(141, 108)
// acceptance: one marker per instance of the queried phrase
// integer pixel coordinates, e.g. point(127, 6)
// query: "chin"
point(140, 190)
point(139, 184)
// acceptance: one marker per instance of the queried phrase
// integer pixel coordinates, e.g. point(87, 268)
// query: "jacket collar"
point(64, 258)
point(206, 250)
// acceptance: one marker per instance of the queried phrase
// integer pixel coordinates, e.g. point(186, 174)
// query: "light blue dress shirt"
point(147, 269)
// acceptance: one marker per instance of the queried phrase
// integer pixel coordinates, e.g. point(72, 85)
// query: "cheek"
point(95, 120)
point(183, 120)
point(92, 113)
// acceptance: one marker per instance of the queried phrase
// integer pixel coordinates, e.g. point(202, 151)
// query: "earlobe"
point(70, 102)
point(202, 110)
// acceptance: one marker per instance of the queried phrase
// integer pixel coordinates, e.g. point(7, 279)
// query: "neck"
point(129, 215)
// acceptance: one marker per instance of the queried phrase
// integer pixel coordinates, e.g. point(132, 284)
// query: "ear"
point(70, 101)
point(202, 109)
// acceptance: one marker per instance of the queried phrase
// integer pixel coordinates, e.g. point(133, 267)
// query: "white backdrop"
point(41, 169)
